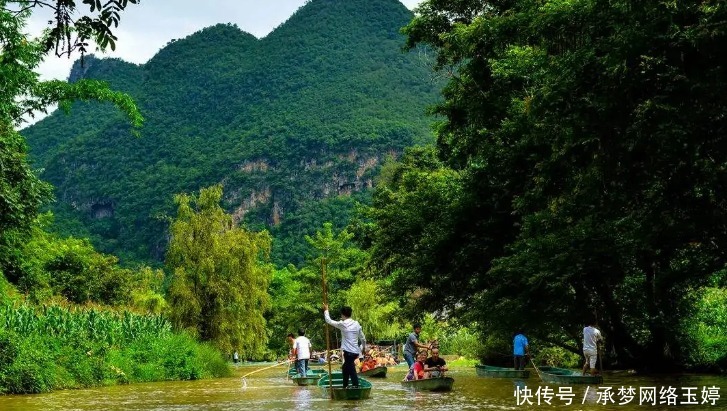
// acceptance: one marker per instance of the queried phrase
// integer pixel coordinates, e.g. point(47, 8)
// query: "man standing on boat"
point(591, 337)
point(351, 335)
point(301, 351)
point(412, 345)
point(520, 349)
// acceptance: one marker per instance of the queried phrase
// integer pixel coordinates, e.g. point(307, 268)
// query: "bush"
point(558, 357)
point(461, 342)
point(705, 331)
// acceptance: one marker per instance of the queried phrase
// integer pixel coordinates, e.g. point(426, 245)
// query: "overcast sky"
point(147, 27)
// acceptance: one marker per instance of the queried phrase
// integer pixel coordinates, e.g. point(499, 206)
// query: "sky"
point(150, 25)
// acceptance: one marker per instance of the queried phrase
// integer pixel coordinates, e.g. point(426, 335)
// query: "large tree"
point(219, 287)
point(586, 143)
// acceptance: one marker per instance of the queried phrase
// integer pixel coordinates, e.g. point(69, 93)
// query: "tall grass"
point(90, 324)
point(55, 347)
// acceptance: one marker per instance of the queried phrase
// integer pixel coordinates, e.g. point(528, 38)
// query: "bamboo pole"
point(328, 334)
point(244, 380)
point(599, 345)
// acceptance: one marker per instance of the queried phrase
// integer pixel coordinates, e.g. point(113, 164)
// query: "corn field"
point(91, 324)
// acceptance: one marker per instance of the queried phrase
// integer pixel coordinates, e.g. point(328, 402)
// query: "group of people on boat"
point(376, 357)
point(353, 345)
point(591, 339)
point(420, 365)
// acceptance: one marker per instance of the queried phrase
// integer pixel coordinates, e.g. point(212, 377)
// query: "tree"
point(21, 192)
point(219, 285)
point(374, 309)
point(588, 140)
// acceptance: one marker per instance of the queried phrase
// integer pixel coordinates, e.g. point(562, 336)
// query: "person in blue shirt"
point(520, 349)
point(412, 346)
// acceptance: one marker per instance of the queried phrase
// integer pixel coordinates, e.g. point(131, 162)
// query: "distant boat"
point(564, 376)
point(376, 372)
point(430, 384)
point(339, 393)
point(500, 372)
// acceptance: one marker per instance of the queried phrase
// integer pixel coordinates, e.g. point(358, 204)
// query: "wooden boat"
point(430, 384)
point(376, 372)
point(565, 376)
point(339, 393)
point(309, 379)
point(500, 372)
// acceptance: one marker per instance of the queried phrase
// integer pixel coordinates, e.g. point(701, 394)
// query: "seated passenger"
point(416, 372)
point(368, 364)
point(435, 366)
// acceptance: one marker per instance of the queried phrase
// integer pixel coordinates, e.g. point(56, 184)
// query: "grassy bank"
point(49, 348)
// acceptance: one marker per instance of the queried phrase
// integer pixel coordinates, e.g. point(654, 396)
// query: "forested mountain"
point(295, 126)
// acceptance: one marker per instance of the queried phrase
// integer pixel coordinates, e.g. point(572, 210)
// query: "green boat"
point(307, 380)
point(565, 376)
point(500, 372)
point(376, 372)
point(311, 378)
point(339, 393)
point(430, 384)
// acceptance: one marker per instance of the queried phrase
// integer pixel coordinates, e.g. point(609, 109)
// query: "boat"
point(556, 375)
point(500, 372)
point(376, 372)
point(430, 384)
point(311, 378)
point(339, 393)
point(306, 380)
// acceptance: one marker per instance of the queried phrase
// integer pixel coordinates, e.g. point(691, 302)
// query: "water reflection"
point(303, 398)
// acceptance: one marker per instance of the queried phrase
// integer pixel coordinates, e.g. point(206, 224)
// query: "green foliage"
point(461, 341)
point(414, 209)
point(42, 349)
point(582, 170)
point(558, 357)
point(90, 325)
point(288, 247)
point(219, 284)
point(297, 293)
point(57, 348)
point(706, 329)
point(375, 309)
point(304, 114)
point(43, 266)
point(21, 192)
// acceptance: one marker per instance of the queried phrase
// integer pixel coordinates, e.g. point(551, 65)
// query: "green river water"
point(270, 390)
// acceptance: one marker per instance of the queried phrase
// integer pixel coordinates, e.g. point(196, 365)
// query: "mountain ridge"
point(277, 126)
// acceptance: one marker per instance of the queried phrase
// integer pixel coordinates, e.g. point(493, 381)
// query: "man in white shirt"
point(301, 352)
point(591, 337)
point(351, 335)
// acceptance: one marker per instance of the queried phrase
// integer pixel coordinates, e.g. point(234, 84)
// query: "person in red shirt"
point(416, 372)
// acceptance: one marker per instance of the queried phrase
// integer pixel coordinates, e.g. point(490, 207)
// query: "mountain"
point(294, 125)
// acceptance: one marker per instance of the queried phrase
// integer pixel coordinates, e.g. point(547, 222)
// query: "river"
point(270, 390)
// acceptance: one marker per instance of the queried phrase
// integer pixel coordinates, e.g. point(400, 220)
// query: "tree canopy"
point(582, 169)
